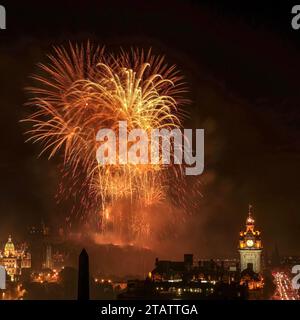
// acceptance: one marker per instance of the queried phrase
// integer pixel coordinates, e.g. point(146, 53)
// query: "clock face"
point(250, 243)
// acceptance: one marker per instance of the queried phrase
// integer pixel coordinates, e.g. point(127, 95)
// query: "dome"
point(9, 249)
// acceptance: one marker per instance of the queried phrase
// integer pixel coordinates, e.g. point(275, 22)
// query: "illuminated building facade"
point(206, 279)
point(14, 260)
point(205, 271)
point(250, 246)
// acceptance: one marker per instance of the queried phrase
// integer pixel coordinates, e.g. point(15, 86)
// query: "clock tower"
point(250, 246)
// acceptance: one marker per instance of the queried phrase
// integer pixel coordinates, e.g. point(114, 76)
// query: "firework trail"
point(83, 89)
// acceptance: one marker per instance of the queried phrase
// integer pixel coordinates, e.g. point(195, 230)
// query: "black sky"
point(242, 66)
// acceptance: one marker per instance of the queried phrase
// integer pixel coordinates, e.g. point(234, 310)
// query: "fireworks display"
point(83, 89)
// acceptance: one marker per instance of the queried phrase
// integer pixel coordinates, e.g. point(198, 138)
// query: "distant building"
point(58, 260)
point(185, 279)
point(14, 260)
point(290, 261)
point(187, 270)
point(48, 261)
point(253, 280)
point(250, 246)
point(38, 237)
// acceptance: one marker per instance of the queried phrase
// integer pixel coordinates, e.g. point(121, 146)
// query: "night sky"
point(242, 66)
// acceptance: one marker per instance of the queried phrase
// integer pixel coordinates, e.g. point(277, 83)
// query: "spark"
point(83, 89)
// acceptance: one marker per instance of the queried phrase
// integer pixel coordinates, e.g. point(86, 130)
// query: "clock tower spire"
point(250, 247)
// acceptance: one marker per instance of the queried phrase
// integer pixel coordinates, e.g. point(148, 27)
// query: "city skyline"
point(85, 83)
point(43, 262)
point(261, 143)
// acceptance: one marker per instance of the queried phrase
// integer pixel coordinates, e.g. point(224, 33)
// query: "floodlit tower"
point(250, 246)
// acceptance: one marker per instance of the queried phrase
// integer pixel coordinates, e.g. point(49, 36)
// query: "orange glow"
point(84, 89)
